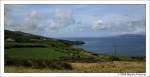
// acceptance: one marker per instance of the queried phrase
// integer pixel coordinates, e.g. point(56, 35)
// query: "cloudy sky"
point(76, 20)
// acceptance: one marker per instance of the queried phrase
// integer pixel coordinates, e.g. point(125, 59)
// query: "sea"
point(131, 45)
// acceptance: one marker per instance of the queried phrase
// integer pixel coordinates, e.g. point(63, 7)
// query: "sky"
point(60, 20)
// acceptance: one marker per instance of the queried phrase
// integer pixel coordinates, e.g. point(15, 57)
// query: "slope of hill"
point(23, 48)
point(21, 37)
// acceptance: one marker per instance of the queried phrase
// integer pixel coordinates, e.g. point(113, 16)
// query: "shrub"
point(114, 58)
point(38, 63)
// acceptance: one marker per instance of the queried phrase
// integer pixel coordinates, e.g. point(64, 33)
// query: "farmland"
point(32, 53)
point(35, 53)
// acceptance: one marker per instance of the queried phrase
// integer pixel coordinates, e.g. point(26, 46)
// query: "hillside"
point(21, 37)
point(21, 48)
point(33, 51)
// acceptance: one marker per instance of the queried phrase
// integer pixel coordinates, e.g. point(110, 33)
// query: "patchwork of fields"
point(32, 53)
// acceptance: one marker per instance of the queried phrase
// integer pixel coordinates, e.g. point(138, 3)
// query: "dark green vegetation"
point(23, 49)
point(97, 67)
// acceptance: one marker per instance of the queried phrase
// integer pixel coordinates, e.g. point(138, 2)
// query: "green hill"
point(21, 37)
point(23, 48)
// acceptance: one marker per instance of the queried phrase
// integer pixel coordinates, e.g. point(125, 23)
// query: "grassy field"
point(100, 67)
point(45, 57)
point(34, 53)
point(111, 67)
point(52, 60)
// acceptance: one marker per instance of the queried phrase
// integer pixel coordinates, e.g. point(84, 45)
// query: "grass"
point(99, 67)
point(34, 53)
point(43, 57)
point(16, 69)
point(31, 53)
point(111, 67)
point(51, 53)
point(57, 58)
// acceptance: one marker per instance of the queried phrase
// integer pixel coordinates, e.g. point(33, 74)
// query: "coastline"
point(23, 51)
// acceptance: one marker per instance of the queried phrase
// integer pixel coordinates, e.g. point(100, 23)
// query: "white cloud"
point(33, 13)
point(61, 18)
point(120, 24)
point(52, 20)
point(98, 24)
point(37, 21)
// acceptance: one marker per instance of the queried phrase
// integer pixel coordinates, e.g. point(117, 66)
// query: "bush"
point(138, 57)
point(38, 63)
point(23, 45)
point(114, 58)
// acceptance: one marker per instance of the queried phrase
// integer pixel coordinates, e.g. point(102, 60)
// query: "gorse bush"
point(138, 58)
point(114, 58)
point(39, 63)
